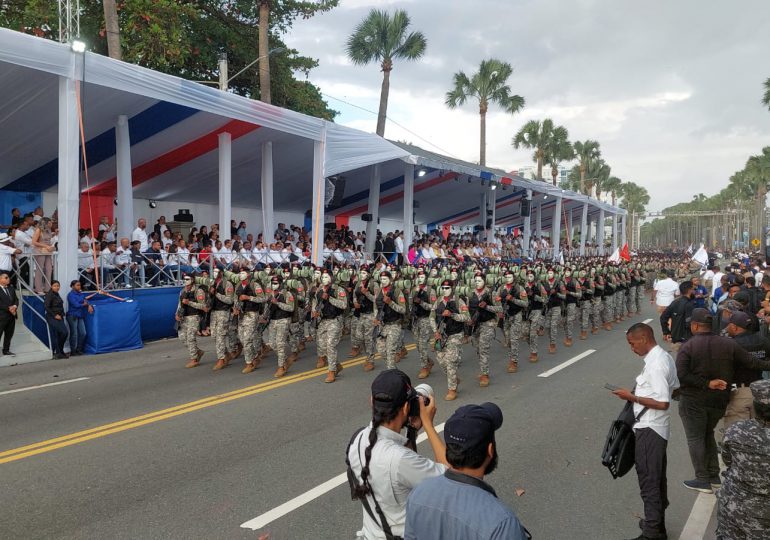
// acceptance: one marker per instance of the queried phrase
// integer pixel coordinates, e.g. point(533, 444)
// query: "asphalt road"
point(143, 448)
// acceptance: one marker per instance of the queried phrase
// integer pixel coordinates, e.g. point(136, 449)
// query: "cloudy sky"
point(671, 90)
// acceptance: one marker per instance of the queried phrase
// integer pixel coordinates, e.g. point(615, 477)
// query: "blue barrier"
point(35, 324)
point(156, 310)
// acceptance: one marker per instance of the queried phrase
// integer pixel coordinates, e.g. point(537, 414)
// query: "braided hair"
point(380, 416)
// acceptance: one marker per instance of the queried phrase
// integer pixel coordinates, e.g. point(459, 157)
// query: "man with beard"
point(459, 504)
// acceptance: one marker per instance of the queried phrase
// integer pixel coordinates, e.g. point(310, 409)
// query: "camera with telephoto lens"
point(421, 391)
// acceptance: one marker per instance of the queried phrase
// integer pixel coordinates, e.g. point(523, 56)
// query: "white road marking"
point(567, 363)
point(289, 506)
point(647, 321)
point(699, 518)
point(43, 385)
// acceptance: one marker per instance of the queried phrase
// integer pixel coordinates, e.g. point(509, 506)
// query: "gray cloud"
point(670, 89)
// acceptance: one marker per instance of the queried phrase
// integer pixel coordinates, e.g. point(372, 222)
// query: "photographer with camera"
point(383, 464)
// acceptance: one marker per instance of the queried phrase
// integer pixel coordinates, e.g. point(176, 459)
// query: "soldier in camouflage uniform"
point(421, 299)
point(281, 311)
point(249, 297)
point(556, 294)
point(222, 293)
point(363, 322)
point(585, 306)
point(329, 302)
point(448, 319)
point(639, 282)
point(597, 301)
point(192, 305)
point(537, 295)
point(390, 305)
point(483, 306)
point(744, 499)
point(608, 311)
point(514, 301)
point(574, 295)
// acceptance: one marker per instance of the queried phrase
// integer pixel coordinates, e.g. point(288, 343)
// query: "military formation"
point(281, 308)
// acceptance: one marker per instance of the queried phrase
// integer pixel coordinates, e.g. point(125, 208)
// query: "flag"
point(701, 256)
point(615, 257)
point(624, 254)
point(689, 250)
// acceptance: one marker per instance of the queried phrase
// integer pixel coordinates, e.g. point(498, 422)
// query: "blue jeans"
point(77, 333)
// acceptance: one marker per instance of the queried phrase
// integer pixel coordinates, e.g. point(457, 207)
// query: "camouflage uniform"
point(449, 356)
point(222, 297)
point(484, 332)
point(608, 313)
point(573, 297)
point(280, 319)
point(556, 295)
point(249, 311)
point(361, 336)
point(586, 305)
point(598, 302)
point(744, 499)
point(329, 329)
point(189, 314)
point(513, 323)
point(421, 316)
point(390, 315)
point(538, 295)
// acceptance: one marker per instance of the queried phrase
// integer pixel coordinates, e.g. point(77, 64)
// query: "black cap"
point(473, 425)
point(742, 297)
point(739, 318)
point(391, 389)
point(700, 315)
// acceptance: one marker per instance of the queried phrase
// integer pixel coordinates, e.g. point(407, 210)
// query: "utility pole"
point(223, 71)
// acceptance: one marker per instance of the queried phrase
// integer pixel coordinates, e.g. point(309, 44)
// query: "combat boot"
point(280, 372)
point(513, 366)
point(568, 342)
point(541, 331)
point(321, 362)
point(583, 335)
point(595, 330)
point(291, 359)
point(403, 352)
point(355, 351)
point(219, 365)
point(451, 395)
point(425, 372)
point(250, 366)
point(552, 348)
point(483, 380)
point(533, 357)
point(330, 377)
point(194, 362)
point(338, 369)
point(608, 326)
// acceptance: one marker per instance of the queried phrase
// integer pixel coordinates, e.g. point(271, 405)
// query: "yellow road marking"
point(49, 445)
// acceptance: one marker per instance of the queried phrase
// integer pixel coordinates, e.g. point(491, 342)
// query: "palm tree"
point(757, 172)
point(595, 175)
point(586, 152)
point(382, 38)
point(612, 185)
point(534, 135)
point(558, 149)
point(264, 48)
point(766, 98)
point(488, 85)
point(572, 183)
point(112, 29)
point(635, 199)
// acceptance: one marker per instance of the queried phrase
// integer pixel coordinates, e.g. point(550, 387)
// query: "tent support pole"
point(569, 228)
point(556, 229)
point(69, 184)
point(583, 229)
point(493, 207)
point(539, 222)
point(527, 226)
point(225, 184)
point(373, 208)
point(408, 205)
point(600, 232)
point(125, 185)
point(266, 184)
point(623, 224)
point(483, 214)
point(614, 232)
point(319, 191)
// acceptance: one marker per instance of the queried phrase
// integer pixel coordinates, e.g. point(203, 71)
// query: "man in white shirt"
point(86, 266)
point(664, 292)
point(395, 468)
point(107, 228)
point(651, 399)
point(122, 260)
point(6, 251)
point(400, 248)
point(140, 234)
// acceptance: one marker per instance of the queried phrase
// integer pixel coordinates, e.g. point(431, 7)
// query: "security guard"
point(192, 305)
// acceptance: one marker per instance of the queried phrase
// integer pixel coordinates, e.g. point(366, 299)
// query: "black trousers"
point(7, 326)
point(699, 422)
point(651, 470)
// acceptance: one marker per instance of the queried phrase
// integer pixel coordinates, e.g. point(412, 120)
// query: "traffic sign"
point(755, 242)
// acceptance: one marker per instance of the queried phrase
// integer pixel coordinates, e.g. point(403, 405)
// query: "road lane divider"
point(57, 383)
point(568, 363)
point(49, 445)
point(289, 506)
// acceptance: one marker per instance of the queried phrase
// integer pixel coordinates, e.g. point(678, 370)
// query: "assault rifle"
point(264, 318)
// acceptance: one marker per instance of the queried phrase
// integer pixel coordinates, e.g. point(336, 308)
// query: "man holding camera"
point(383, 465)
point(459, 504)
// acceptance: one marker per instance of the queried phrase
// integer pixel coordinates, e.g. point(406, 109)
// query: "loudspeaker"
point(525, 207)
point(330, 226)
point(366, 217)
point(339, 192)
point(184, 215)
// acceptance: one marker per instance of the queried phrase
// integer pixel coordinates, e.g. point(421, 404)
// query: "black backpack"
point(619, 448)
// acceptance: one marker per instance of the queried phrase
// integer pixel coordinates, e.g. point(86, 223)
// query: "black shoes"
point(8, 353)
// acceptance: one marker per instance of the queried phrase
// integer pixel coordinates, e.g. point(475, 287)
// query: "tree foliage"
point(766, 97)
point(186, 37)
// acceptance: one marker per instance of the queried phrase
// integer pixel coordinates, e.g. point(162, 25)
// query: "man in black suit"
point(8, 308)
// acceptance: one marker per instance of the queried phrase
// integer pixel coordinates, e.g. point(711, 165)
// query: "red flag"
point(624, 254)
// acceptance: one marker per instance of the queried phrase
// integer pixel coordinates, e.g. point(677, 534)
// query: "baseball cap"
point(732, 305)
point(391, 389)
point(700, 315)
point(760, 390)
point(473, 425)
point(739, 318)
point(742, 297)
point(4, 237)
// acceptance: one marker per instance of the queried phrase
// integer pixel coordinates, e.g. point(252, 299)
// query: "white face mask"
point(275, 286)
point(286, 274)
point(215, 273)
point(187, 282)
point(453, 275)
point(364, 276)
point(243, 276)
point(421, 279)
point(384, 281)
point(446, 290)
point(550, 275)
point(531, 277)
point(433, 272)
point(478, 282)
point(268, 270)
point(317, 275)
point(326, 279)
point(509, 279)
point(567, 274)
